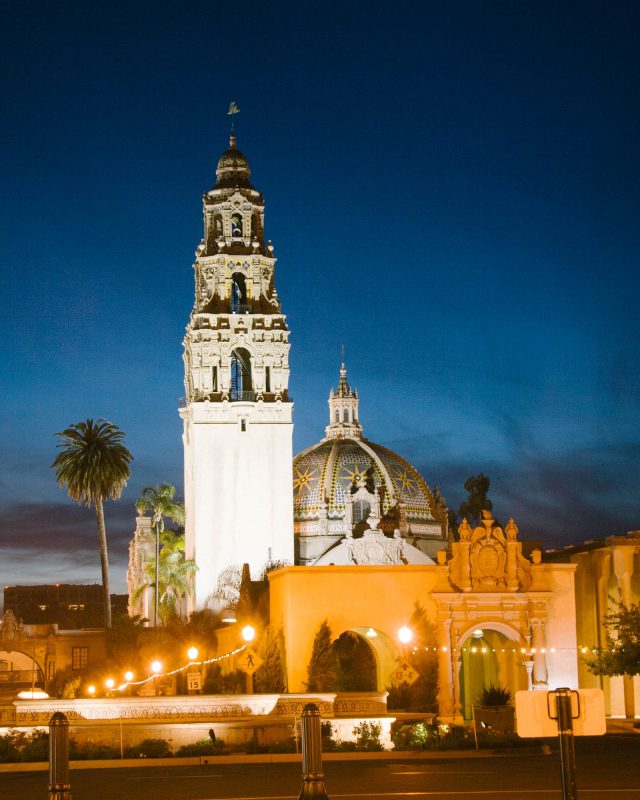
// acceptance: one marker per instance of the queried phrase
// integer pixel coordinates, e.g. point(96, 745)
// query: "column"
point(539, 656)
point(445, 685)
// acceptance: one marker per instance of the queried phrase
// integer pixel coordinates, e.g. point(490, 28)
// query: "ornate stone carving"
point(374, 547)
point(485, 560)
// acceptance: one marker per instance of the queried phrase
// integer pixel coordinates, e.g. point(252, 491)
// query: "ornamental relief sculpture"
point(488, 559)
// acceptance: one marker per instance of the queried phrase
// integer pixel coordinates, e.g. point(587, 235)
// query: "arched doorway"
point(489, 656)
point(18, 671)
point(355, 663)
point(241, 382)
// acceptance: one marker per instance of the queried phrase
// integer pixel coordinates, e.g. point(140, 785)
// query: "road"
point(608, 769)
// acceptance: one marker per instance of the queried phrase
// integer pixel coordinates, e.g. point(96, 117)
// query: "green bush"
point(415, 736)
point(149, 748)
point(368, 736)
point(92, 751)
point(494, 696)
point(203, 747)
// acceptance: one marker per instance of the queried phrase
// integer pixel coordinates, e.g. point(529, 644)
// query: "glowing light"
point(229, 615)
point(474, 649)
point(109, 683)
point(371, 634)
point(32, 694)
point(156, 667)
point(128, 676)
point(405, 634)
point(444, 648)
point(91, 689)
point(192, 652)
point(584, 649)
point(248, 633)
point(478, 633)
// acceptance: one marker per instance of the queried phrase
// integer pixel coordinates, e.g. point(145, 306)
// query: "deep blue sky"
point(452, 190)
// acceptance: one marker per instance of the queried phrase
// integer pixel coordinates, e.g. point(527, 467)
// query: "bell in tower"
point(237, 414)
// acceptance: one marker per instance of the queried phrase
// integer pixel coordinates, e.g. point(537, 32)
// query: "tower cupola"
point(344, 421)
point(233, 168)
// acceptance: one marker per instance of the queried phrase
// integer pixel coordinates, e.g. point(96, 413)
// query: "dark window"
point(267, 379)
point(79, 657)
point(243, 425)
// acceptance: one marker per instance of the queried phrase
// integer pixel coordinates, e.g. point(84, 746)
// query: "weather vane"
point(233, 110)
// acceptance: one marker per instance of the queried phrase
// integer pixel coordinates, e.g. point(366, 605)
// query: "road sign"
point(536, 713)
point(194, 681)
point(405, 674)
point(249, 661)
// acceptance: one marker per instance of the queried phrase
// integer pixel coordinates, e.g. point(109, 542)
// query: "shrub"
point(92, 751)
point(494, 696)
point(203, 747)
point(368, 736)
point(149, 748)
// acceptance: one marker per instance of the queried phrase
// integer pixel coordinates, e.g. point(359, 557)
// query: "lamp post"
point(248, 635)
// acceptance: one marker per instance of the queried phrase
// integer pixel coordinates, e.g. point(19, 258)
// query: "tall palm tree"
point(158, 500)
point(93, 464)
point(172, 579)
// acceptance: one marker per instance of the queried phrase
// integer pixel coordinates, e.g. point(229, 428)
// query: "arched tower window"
point(337, 415)
point(345, 415)
point(238, 292)
point(241, 383)
point(217, 225)
point(236, 225)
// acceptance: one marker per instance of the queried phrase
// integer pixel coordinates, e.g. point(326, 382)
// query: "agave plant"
point(495, 696)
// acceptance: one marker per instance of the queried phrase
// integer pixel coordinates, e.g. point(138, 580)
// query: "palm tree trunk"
point(157, 527)
point(104, 562)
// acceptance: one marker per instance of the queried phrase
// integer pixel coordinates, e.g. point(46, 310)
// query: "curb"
point(278, 758)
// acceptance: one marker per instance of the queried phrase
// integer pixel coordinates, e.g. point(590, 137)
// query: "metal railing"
point(240, 308)
point(237, 397)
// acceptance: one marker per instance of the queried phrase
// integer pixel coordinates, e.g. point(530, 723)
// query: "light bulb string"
point(191, 664)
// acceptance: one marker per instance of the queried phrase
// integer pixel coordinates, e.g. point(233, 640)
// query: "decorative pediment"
point(488, 559)
point(373, 547)
point(10, 627)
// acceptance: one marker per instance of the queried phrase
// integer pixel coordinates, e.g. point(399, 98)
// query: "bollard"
point(59, 786)
point(567, 748)
point(312, 775)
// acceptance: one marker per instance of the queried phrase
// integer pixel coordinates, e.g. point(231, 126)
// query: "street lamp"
point(192, 652)
point(405, 635)
point(248, 634)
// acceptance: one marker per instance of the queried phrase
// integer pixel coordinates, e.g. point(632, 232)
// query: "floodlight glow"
point(405, 634)
point(32, 694)
point(248, 633)
point(128, 676)
point(156, 667)
point(371, 634)
point(109, 683)
point(91, 689)
point(192, 652)
point(478, 633)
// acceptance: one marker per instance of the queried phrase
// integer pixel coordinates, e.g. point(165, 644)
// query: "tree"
point(321, 672)
point(270, 677)
point(621, 654)
point(93, 464)
point(159, 502)
point(170, 576)
point(477, 487)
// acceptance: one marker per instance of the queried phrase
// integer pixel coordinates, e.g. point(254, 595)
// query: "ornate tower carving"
point(237, 414)
point(343, 410)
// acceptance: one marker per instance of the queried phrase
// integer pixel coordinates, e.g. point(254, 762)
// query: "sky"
point(452, 190)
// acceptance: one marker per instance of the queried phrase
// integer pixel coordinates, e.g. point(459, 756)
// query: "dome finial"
point(233, 110)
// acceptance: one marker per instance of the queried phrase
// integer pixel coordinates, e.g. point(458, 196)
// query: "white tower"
point(237, 414)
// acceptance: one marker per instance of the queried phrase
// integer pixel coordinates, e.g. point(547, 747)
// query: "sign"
point(194, 681)
point(248, 661)
point(405, 674)
point(536, 713)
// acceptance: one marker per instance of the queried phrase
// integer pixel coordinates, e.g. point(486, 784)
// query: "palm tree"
point(158, 500)
point(172, 579)
point(94, 465)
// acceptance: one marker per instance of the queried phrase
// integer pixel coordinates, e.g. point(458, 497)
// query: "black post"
point(567, 744)
point(59, 786)
point(312, 775)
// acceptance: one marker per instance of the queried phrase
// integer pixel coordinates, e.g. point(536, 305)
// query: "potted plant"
point(494, 711)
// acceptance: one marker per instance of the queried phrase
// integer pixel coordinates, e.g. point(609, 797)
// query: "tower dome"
point(342, 480)
point(233, 168)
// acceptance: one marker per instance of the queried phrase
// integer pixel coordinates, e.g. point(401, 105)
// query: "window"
point(79, 657)
point(243, 425)
point(76, 606)
point(236, 225)
point(214, 379)
point(345, 415)
point(267, 379)
point(337, 415)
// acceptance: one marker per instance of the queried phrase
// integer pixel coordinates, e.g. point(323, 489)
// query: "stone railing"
point(219, 708)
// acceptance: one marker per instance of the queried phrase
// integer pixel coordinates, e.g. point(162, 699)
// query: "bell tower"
point(237, 414)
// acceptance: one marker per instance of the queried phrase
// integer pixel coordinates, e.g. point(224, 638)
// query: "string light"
point(190, 665)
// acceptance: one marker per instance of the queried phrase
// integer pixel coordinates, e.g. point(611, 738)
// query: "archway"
point(18, 670)
point(241, 382)
point(355, 663)
point(490, 656)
